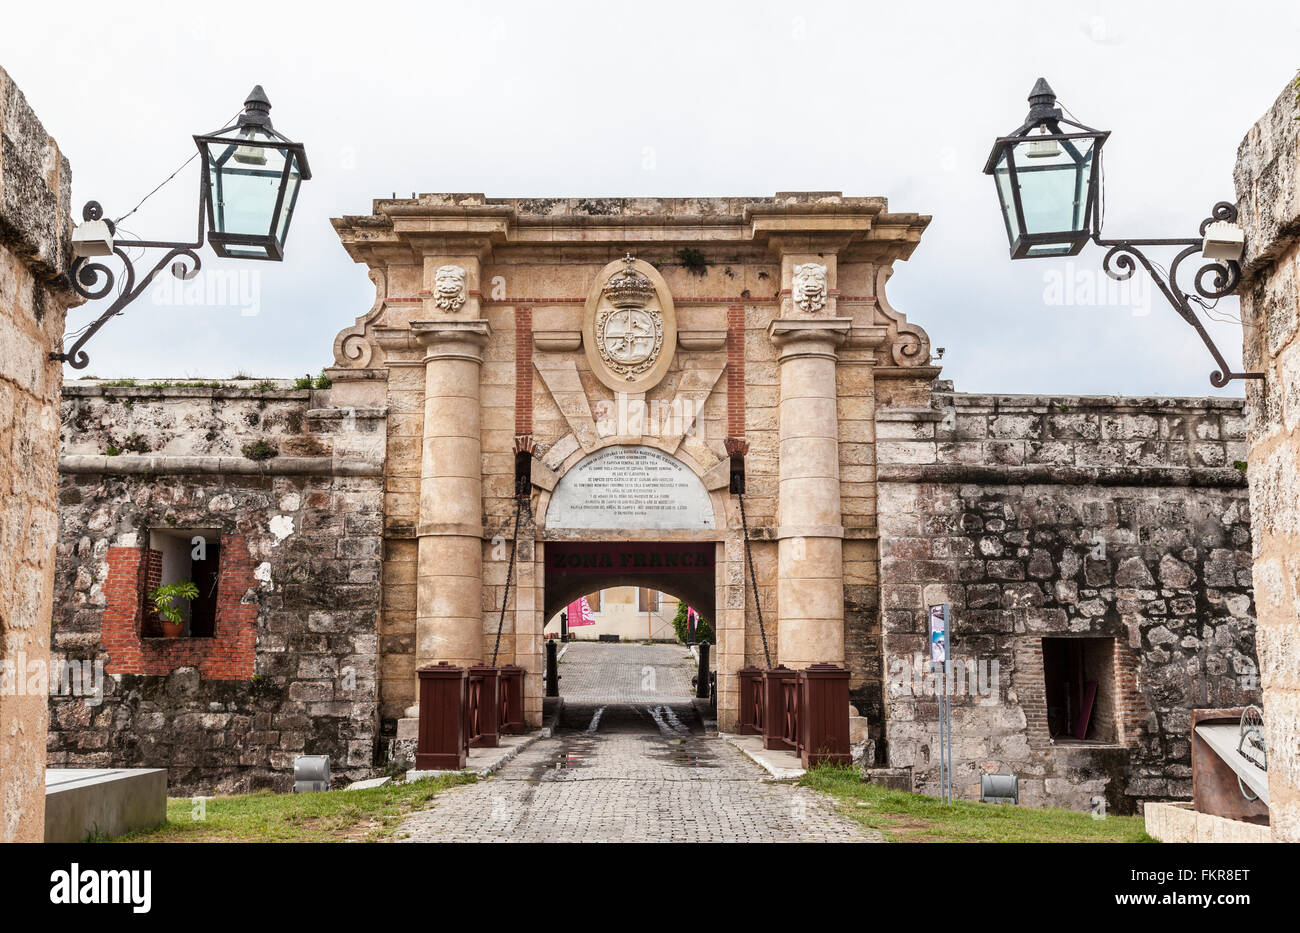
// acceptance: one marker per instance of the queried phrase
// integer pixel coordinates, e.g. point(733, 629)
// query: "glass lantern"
point(1048, 179)
point(252, 176)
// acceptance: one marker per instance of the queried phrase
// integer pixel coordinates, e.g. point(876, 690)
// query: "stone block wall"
point(1065, 518)
point(35, 185)
point(292, 666)
point(1267, 176)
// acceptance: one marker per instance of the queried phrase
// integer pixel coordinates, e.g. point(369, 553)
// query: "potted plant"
point(164, 600)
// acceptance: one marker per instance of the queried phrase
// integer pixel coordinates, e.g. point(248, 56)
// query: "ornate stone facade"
point(1086, 542)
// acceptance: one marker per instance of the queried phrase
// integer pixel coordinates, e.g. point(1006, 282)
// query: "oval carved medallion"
point(630, 327)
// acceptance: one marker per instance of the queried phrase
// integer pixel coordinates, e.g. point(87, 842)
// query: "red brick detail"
point(736, 371)
point(229, 655)
point(1130, 704)
point(523, 370)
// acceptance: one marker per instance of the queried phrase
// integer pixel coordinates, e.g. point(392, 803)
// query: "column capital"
point(453, 338)
point(809, 336)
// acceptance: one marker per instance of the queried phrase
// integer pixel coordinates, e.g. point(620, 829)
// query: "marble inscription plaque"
point(633, 488)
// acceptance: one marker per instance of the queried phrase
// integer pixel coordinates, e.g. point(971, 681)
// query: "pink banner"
point(580, 613)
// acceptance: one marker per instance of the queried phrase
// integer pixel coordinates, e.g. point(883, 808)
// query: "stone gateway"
point(1092, 548)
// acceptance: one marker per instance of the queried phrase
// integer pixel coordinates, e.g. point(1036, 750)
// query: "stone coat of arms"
point(629, 327)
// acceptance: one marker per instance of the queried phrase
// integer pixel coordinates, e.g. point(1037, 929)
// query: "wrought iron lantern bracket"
point(1215, 279)
point(93, 279)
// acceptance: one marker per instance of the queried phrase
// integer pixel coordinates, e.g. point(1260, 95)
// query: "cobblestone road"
point(616, 673)
point(620, 770)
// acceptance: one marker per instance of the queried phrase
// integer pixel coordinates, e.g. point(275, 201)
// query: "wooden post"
point(442, 744)
point(824, 715)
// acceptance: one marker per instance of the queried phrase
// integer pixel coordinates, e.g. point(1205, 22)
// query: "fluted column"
point(810, 570)
point(449, 595)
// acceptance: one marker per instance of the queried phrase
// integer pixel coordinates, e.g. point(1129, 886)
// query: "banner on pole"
point(580, 613)
point(939, 633)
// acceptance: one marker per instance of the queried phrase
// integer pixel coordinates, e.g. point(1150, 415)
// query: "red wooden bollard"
point(824, 715)
point(780, 709)
point(750, 716)
point(512, 700)
point(482, 724)
point(441, 744)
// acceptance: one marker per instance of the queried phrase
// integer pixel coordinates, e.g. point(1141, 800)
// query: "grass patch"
point(903, 817)
point(369, 815)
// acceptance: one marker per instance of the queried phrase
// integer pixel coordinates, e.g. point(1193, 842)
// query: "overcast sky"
point(898, 99)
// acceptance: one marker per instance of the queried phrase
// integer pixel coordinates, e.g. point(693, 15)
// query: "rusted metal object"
point(511, 704)
point(781, 708)
point(483, 707)
point(1215, 788)
point(823, 718)
point(750, 715)
point(442, 743)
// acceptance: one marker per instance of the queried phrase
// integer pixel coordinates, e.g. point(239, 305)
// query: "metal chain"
point(510, 569)
point(753, 580)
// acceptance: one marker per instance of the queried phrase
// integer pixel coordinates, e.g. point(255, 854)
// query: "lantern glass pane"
point(1054, 184)
point(245, 180)
point(1002, 176)
point(290, 200)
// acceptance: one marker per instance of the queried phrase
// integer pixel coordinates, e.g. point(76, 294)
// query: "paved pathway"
point(619, 672)
point(629, 771)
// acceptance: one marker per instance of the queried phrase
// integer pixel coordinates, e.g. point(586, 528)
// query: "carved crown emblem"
point(628, 288)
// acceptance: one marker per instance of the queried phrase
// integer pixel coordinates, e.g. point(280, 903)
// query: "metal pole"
point(552, 669)
point(702, 675)
point(943, 756)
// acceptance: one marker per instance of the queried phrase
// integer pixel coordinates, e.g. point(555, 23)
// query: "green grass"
point(903, 817)
point(332, 816)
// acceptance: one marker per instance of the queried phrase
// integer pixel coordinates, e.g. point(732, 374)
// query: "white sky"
point(901, 100)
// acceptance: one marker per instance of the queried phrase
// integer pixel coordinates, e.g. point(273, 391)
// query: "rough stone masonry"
point(35, 186)
point(1267, 177)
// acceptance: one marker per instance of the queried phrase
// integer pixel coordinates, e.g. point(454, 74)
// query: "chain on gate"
point(738, 487)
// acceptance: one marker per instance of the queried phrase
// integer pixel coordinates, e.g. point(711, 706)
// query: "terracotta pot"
point(172, 629)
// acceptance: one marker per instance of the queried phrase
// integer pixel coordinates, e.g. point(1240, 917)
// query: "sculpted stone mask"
point(808, 288)
point(449, 287)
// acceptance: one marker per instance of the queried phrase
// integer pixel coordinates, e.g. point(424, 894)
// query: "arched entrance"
point(628, 515)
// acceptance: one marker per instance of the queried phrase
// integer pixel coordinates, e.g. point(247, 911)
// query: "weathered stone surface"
point(1151, 559)
point(1268, 195)
point(35, 184)
point(315, 543)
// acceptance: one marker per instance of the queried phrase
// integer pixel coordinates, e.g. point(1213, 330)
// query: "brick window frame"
point(1129, 706)
point(230, 654)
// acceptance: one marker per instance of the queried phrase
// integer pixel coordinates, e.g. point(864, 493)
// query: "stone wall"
point(291, 489)
point(35, 184)
point(1267, 178)
point(1120, 519)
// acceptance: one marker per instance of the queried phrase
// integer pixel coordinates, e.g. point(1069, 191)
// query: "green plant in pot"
point(165, 600)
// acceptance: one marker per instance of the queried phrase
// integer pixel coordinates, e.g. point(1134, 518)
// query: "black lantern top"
point(252, 174)
point(1048, 177)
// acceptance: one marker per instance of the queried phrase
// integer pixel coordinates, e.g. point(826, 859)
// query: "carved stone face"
point(808, 286)
point(449, 287)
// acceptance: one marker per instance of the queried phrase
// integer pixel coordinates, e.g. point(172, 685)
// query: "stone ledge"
point(1051, 404)
point(99, 389)
point(1047, 474)
point(240, 466)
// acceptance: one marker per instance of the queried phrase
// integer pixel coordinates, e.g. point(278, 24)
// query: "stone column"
point(810, 572)
point(449, 592)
